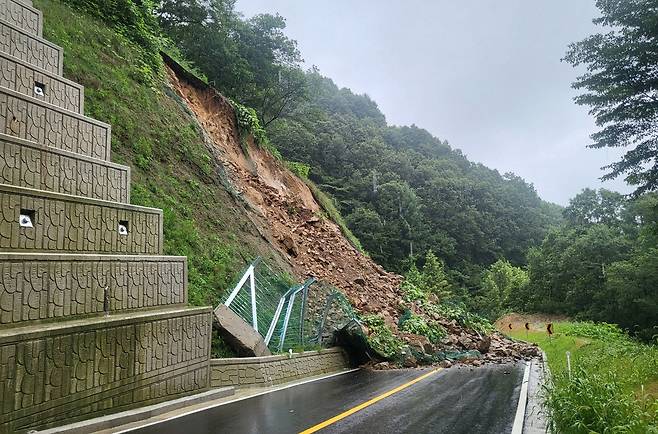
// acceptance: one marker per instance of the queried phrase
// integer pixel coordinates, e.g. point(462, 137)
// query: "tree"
point(621, 87)
point(433, 278)
point(250, 60)
point(503, 288)
point(591, 207)
point(632, 291)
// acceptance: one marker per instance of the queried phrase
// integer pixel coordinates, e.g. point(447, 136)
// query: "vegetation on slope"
point(172, 168)
point(601, 265)
point(614, 379)
point(401, 190)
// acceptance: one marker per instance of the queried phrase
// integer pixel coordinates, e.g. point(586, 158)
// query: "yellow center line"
point(360, 407)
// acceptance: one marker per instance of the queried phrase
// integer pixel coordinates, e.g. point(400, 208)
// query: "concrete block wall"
point(76, 224)
point(22, 77)
point(266, 371)
point(92, 319)
point(69, 371)
point(21, 15)
point(37, 287)
point(35, 120)
point(32, 165)
point(34, 50)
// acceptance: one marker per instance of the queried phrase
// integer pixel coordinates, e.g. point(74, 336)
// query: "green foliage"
point(300, 169)
point(219, 348)
point(171, 166)
point(133, 19)
point(248, 124)
point(599, 331)
point(381, 337)
point(504, 288)
point(602, 265)
point(462, 315)
point(620, 86)
point(612, 386)
point(417, 325)
point(249, 60)
point(432, 280)
point(601, 403)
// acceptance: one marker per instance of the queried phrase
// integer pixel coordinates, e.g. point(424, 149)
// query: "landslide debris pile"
point(288, 216)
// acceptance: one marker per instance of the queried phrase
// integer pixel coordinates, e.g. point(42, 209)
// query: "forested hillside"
point(496, 246)
point(401, 190)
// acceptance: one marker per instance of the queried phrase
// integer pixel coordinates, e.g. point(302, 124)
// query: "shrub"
point(459, 313)
point(601, 331)
point(417, 325)
point(381, 337)
point(300, 169)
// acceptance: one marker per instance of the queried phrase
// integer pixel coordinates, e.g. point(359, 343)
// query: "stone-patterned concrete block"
point(28, 164)
point(265, 371)
point(72, 224)
point(31, 119)
point(83, 332)
point(22, 15)
point(30, 48)
point(24, 78)
point(37, 287)
point(68, 372)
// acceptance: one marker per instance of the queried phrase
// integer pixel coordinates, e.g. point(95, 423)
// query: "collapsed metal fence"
point(287, 314)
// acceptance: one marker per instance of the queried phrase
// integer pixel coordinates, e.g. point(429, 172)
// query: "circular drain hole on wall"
point(123, 227)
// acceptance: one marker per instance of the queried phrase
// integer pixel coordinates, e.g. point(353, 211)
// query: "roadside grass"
point(612, 388)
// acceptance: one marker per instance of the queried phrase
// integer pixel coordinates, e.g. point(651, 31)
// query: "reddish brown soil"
point(287, 215)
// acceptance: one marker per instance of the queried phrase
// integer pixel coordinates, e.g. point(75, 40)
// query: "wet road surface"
point(455, 400)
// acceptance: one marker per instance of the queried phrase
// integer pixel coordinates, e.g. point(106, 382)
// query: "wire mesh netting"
point(289, 315)
point(269, 288)
point(329, 310)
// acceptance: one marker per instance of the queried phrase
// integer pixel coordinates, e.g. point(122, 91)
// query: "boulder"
point(418, 343)
point(484, 344)
point(466, 342)
point(238, 334)
point(290, 245)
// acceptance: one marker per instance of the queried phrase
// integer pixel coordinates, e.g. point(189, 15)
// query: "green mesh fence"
point(329, 310)
point(270, 286)
point(289, 315)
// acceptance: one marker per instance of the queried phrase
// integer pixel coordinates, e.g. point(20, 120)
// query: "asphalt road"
point(455, 400)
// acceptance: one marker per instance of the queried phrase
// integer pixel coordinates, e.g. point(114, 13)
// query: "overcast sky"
point(485, 75)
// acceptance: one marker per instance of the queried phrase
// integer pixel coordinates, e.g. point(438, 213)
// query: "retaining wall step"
point(22, 15)
point(66, 371)
point(44, 286)
point(20, 76)
point(31, 119)
point(30, 48)
point(32, 165)
point(55, 222)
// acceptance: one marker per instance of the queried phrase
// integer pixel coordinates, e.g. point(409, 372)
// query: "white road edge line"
point(517, 428)
point(236, 400)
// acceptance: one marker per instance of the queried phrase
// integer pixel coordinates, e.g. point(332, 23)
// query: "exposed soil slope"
point(289, 217)
point(288, 214)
